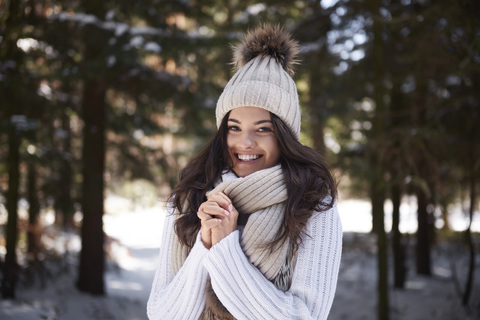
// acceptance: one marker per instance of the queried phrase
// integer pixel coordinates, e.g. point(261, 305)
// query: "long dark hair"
point(310, 184)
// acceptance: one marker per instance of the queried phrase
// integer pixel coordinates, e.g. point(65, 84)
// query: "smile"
point(248, 157)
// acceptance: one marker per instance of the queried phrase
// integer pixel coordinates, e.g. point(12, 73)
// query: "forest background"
point(102, 98)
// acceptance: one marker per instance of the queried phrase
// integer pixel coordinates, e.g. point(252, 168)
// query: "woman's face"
point(251, 141)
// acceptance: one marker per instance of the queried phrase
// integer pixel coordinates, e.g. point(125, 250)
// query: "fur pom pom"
point(264, 41)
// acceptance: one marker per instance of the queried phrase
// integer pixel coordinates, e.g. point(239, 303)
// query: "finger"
point(212, 223)
point(222, 200)
point(213, 209)
point(203, 216)
point(220, 197)
point(208, 207)
point(233, 210)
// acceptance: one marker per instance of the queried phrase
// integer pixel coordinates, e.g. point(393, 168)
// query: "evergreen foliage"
point(389, 92)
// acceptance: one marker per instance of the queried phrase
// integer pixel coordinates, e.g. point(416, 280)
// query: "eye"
point(265, 129)
point(233, 128)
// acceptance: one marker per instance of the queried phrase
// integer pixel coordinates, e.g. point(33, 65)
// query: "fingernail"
point(230, 207)
point(226, 212)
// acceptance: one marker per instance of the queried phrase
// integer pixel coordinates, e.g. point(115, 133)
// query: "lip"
point(247, 157)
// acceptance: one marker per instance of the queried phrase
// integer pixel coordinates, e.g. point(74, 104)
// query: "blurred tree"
point(440, 54)
point(34, 231)
point(458, 114)
point(377, 157)
point(92, 258)
point(12, 60)
point(360, 38)
point(316, 61)
point(398, 167)
point(19, 119)
point(424, 49)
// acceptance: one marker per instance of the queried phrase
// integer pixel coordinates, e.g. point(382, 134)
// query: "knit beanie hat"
point(265, 58)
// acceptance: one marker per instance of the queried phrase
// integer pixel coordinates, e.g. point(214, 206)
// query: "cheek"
point(230, 142)
point(274, 151)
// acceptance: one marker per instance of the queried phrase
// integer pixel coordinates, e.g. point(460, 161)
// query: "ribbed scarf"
point(262, 196)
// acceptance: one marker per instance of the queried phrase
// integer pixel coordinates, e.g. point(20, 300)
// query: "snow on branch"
point(120, 28)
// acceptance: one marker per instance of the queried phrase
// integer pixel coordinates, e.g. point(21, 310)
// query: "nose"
point(247, 140)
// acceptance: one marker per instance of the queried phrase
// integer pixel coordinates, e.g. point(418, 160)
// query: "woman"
point(253, 230)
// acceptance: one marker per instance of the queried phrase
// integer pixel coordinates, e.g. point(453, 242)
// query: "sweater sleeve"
point(247, 294)
point(180, 296)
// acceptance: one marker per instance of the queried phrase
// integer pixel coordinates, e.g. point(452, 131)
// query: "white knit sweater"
point(240, 286)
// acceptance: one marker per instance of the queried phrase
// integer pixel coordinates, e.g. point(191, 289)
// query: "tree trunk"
point(468, 234)
point(64, 202)
point(11, 267)
point(423, 235)
point(445, 215)
point(34, 231)
point(378, 199)
point(92, 257)
point(316, 107)
point(11, 102)
point(398, 247)
point(395, 164)
point(377, 166)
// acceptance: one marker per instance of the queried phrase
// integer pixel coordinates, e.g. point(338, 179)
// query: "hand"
point(210, 214)
point(207, 223)
point(228, 221)
point(218, 219)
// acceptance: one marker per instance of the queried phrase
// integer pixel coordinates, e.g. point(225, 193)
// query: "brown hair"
point(310, 184)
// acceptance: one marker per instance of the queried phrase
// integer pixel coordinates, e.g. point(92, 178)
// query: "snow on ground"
point(134, 238)
point(423, 297)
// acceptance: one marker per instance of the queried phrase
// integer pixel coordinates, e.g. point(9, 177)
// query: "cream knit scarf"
point(262, 196)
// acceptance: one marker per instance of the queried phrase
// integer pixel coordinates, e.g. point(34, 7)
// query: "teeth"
point(248, 157)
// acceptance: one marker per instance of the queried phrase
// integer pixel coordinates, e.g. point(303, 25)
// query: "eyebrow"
point(256, 123)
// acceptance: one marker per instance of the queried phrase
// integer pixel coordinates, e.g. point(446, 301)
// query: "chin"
point(244, 173)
